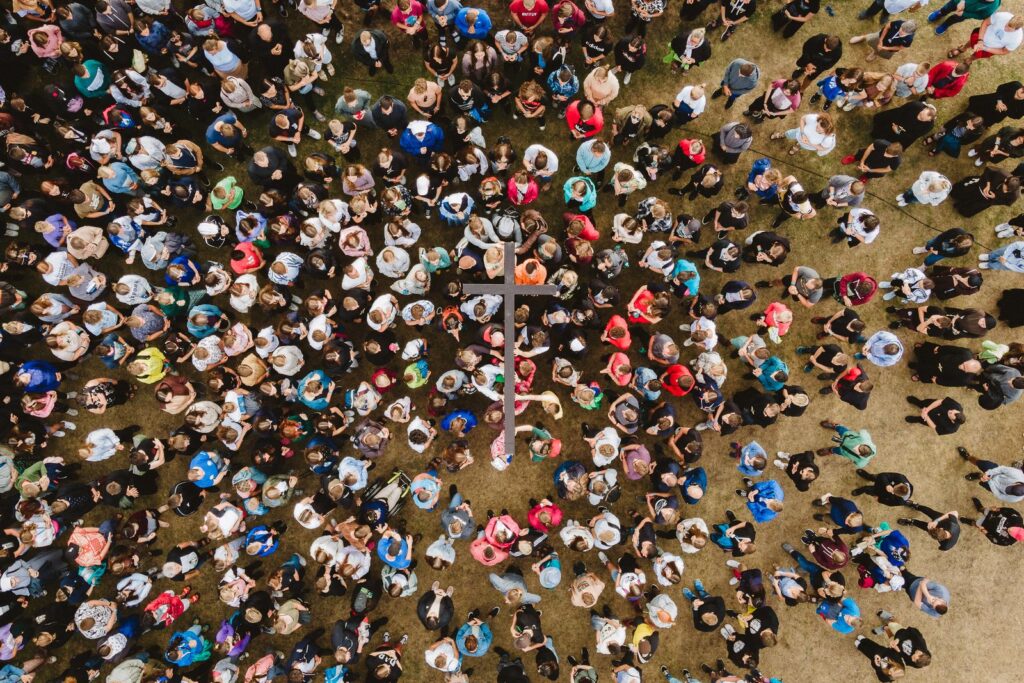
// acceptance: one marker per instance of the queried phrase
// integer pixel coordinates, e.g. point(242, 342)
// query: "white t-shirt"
point(530, 156)
point(997, 36)
point(686, 97)
point(809, 129)
point(897, 6)
point(246, 9)
point(856, 222)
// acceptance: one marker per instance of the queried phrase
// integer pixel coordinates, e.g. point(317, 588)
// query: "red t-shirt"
point(670, 379)
point(252, 259)
point(623, 342)
point(529, 16)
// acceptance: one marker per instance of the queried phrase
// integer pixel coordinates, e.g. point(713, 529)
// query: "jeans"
point(993, 259)
point(809, 567)
point(932, 259)
point(946, 11)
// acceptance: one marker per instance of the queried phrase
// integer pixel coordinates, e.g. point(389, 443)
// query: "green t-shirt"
point(233, 194)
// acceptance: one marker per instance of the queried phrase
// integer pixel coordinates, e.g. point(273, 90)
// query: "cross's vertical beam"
point(509, 388)
point(508, 289)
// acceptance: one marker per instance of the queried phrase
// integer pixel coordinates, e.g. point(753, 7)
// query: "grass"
point(972, 642)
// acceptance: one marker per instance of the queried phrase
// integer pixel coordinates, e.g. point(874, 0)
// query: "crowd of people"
point(295, 307)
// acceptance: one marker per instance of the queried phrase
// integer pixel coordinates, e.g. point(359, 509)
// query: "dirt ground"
point(973, 642)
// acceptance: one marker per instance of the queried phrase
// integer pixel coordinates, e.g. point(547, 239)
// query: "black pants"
point(874, 8)
point(908, 579)
point(780, 22)
point(780, 219)
point(385, 62)
point(636, 25)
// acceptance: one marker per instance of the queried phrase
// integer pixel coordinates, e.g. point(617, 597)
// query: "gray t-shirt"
point(737, 82)
point(520, 41)
point(840, 186)
point(803, 274)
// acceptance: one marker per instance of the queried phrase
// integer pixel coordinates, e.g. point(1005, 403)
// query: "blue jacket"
point(696, 476)
point(470, 418)
point(42, 377)
point(557, 87)
point(770, 367)
point(483, 635)
point(482, 27)
point(589, 200)
point(765, 491)
point(433, 140)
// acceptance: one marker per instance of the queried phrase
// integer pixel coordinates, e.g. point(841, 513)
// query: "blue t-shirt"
point(839, 612)
point(402, 561)
point(215, 136)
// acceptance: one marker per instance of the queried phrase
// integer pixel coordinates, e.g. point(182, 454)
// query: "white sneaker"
point(735, 564)
point(339, 37)
point(59, 434)
point(602, 556)
point(920, 250)
point(781, 464)
point(291, 150)
point(979, 162)
point(313, 133)
point(733, 581)
point(900, 201)
point(70, 425)
point(451, 80)
point(972, 152)
point(983, 257)
point(625, 79)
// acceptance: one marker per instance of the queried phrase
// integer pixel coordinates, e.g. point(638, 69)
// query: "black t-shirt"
point(762, 619)
point(737, 9)
point(802, 8)
point(909, 641)
point(527, 617)
point(593, 47)
point(383, 658)
point(841, 325)
point(847, 394)
point(997, 524)
point(828, 355)
point(940, 416)
point(728, 220)
point(876, 159)
point(890, 39)
point(712, 604)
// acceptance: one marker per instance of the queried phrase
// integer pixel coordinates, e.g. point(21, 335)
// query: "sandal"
point(776, 136)
point(955, 52)
point(793, 150)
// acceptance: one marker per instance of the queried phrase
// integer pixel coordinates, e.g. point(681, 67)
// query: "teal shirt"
point(980, 9)
point(96, 80)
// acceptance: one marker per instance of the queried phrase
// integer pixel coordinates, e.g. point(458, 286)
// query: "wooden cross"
point(508, 290)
